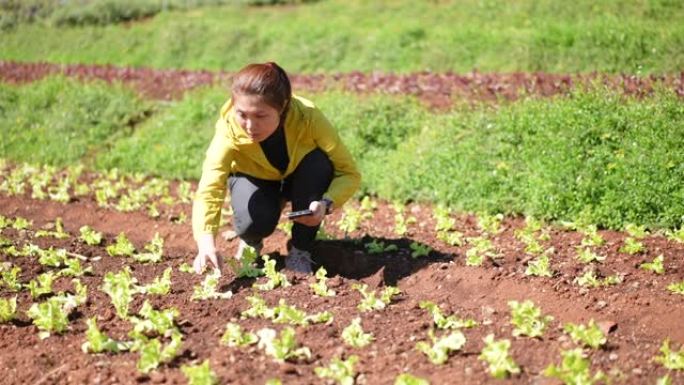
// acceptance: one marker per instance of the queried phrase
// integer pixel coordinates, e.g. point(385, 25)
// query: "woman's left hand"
point(315, 219)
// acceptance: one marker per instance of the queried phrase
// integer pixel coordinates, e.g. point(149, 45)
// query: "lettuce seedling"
point(539, 267)
point(443, 220)
point(585, 255)
point(283, 348)
point(186, 268)
point(258, 308)
point(120, 287)
point(58, 233)
point(74, 269)
point(275, 278)
point(235, 337)
point(589, 335)
point(161, 322)
point(350, 221)
point(90, 236)
point(354, 335)
point(632, 246)
point(442, 322)
point(98, 342)
point(123, 247)
point(52, 257)
point(527, 319)
point(10, 278)
point(676, 235)
point(155, 250)
point(419, 250)
point(676, 287)
point(377, 247)
point(208, 288)
point(574, 369)
point(21, 223)
point(370, 302)
point(152, 353)
point(635, 231)
point(655, 266)
point(342, 371)
point(245, 266)
point(671, 360)
point(41, 285)
point(408, 379)
point(160, 285)
point(453, 238)
point(495, 353)
point(591, 237)
point(490, 224)
point(482, 247)
point(52, 315)
point(199, 374)
point(274, 381)
point(320, 288)
point(589, 279)
point(8, 309)
point(438, 352)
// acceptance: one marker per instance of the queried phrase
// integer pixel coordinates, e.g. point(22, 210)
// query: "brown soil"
point(437, 90)
point(640, 313)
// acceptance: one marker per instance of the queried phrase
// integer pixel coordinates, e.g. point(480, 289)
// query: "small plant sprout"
point(120, 287)
point(370, 302)
point(438, 352)
point(350, 221)
point(354, 336)
point(154, 251)
point(632, 246)
point(160, 285)
point(283, 313)
point(495, 353)
point(670, 359)
point(528, 319)
point(481, 248)
point(589, 279)
point(635, 231)
point(574, 369)
point(585, 255)
point(21, 223)
point(160, 322)
point(283, 348)
point(676, 287)
point(8, 309)
point(490, 224)
point(275, 278)
point(539, 267)
point(57, 233)
point(41, 285)
point(591, 237)
point(443, 220)
point(676, 235)
point(442, 322)
point(453, 238)
point(319, 287)
point(655, 266)
point(589, 335)
point(153, 353)
point(90, 236)
point(245, 266)
point(207, 290)
point(235, 337)
point(199, 374)
point(419, 250)
point(377, 247)
point(408, 379)
point(341, 371)
point(286, 227)
point(49, 317)
point(186, 268)
point(122, 248)
point(98, 342)
point(10, 278)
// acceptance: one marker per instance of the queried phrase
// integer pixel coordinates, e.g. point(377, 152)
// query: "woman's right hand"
point(206, 251)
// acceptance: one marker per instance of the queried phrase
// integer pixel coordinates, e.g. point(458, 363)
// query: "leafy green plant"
point(377, 247)
point(490, 224)
point(283, 313)
point(589, 279)
point(408, 379)
point(21, 223)
point(123, 247)
point(574, 369)
point(153, 353)
point(370, 302)
point(585, 255)
point(120, 287)
point(275, 278)
point(443, 220)
point(90, 236)
point(438, 352)
point(443, 322)
point(591, 236)
point(453, 238)
point(495, 353)
point(350, 221)
point(319, 287)
point(8, 309)
point(353, 335)
point(98, 342)
point(49, 317)
point(655, 266)
point(283, 348)
point(670, 359)
point(58, 232)
point(160, 285)
point(207, 290)
point(199, 374)
point(419, 250)
point(676, 235)
point(632, 246)
point(151, 321)
point(246, 265)
point(636, 231)
point(528, 319)
point(235, 337)
point(155, 250)
point(481, 248)
point(676, 287)
point(10, 278)
point(589, 335)
point(42, 284)
point(341, 371)
point(539, 267)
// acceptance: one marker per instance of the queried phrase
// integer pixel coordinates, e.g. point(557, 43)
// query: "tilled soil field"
point(437, 90)
point(637, 314)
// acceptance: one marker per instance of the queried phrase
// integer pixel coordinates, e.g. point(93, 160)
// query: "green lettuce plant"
point(672, 360)
point(99, 342)
point(207, 290)
point(574, 369)
point(275, 278)
point(589, 335)
point(234, 336)
point(438, 352)
point(123, 247)
point(199, 374)
point(120, 287)
point(353, 335)
point(319, 287)
point(444, 322)
point(370, 302)
point(408, 379)
point(528, 319)
point(655, 266)
point(341, 371)
point(90, 236)
point(282, 348)
point(8, 309)
point(495, 353)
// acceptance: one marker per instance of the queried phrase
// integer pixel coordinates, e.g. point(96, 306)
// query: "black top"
point(275, 149)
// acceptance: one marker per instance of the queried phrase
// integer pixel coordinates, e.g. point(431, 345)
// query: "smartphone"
point(297, 214)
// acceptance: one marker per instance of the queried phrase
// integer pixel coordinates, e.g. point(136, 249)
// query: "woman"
point(270, 146)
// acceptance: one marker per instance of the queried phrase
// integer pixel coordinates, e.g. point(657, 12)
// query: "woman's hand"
point(315, 219)
point(206, 251)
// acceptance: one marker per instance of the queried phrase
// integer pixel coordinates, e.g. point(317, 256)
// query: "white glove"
point(206, 250)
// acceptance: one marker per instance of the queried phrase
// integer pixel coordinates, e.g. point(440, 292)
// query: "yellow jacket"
point(232, 150)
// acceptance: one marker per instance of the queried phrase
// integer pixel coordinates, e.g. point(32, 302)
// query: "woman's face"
point(258, 119)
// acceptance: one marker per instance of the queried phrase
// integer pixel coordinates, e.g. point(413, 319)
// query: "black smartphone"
point(297, 214)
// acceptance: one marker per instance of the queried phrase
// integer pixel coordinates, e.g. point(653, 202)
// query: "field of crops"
point(520, 221)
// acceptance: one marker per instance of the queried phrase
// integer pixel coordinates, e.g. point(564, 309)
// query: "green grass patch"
point(341, 35)
point(60, 121)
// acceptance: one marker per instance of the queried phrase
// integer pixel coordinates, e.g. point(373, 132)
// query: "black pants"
point(257, 203)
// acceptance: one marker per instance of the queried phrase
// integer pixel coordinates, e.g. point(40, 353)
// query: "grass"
point(494, 35)
point(595, 155)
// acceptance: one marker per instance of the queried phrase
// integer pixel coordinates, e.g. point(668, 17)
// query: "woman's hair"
point(267, 80)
